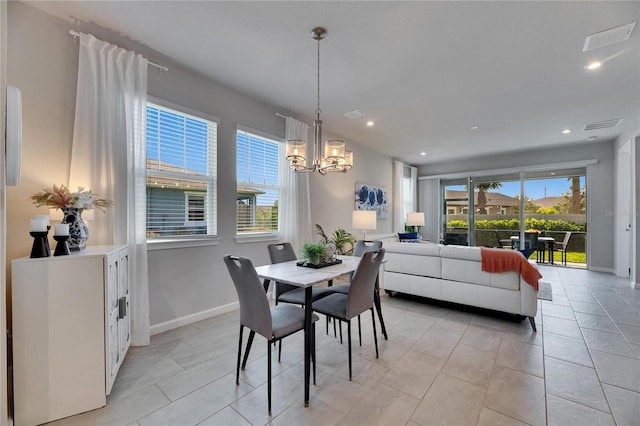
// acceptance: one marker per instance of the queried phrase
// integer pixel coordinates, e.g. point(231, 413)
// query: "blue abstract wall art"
point(370, 197)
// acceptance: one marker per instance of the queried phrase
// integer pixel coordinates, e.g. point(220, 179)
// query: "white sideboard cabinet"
point(71, 331)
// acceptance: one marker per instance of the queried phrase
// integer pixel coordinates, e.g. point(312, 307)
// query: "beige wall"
point(183, 282)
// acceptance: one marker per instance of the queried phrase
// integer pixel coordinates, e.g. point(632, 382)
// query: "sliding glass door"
point(546, 208)
point(556, 211)
point(455, 209)
point(496, 216)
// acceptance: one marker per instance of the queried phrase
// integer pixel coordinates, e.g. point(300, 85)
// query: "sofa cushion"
point(466, 271)
point(461, 252)
point(423, 249)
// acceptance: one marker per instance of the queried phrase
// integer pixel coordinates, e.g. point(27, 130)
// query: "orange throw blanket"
point(500, 260)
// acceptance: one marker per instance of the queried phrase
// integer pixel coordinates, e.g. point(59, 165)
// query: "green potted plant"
point(342, 239)
point(314, 253)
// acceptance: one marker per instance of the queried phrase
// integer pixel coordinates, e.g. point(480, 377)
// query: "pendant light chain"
point(318, 110)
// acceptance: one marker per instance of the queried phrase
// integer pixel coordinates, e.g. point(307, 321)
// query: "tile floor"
point(440, 366)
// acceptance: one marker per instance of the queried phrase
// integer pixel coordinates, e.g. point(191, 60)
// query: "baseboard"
point(190, 319)
point(607, 270)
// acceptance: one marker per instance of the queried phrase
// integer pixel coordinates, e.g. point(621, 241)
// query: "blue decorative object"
point(78, 231)
point(368, 197)
point(408, 235)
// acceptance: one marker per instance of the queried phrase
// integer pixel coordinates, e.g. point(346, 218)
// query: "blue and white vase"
point(78, 231)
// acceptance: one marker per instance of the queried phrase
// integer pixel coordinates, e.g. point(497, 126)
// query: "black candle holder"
point(40, 246)
point(62, 247)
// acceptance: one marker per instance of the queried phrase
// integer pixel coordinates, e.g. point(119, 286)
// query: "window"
point(195, 202)
point(181, 173)
point(258, 189)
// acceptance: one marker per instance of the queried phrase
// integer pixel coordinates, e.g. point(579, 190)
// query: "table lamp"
point(363, 219)
point(416, 220)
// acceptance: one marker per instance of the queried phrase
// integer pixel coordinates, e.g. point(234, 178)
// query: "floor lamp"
point(363, 219)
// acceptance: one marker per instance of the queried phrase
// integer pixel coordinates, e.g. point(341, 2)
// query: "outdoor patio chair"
point(562, 247)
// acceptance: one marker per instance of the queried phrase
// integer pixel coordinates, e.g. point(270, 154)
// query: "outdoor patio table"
point(544, 244)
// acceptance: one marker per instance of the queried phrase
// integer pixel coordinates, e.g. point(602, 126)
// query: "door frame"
point(622, 213)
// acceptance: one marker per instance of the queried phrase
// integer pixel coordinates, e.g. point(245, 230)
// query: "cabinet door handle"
point(122, 307)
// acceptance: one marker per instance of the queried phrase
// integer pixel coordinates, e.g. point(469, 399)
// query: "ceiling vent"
point(603, 124)
point(605, 38)
point(356, 113)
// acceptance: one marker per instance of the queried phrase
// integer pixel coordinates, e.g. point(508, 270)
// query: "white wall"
point(183, 282)
point(600, 190)
point(333, 195)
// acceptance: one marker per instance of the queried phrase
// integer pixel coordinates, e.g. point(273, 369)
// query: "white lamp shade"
point(363, 219)
point(296, 150)
point(415, 219)
point(334, 151)
point(348, 160)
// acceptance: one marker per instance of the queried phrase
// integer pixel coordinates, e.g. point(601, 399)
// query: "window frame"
point(188, 195)
point(211, 197)
point(261, 235)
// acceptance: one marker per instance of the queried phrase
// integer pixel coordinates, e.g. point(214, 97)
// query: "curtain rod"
point(153, 64)
point(281, 116)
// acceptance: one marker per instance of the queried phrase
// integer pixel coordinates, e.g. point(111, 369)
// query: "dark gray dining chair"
point(344, 307)
point(359, 249)
point(273, 323)
point(287, 293)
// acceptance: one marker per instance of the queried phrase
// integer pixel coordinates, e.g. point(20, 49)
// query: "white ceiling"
point(425, 72)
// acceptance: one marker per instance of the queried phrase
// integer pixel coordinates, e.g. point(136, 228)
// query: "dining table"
point(306, 277)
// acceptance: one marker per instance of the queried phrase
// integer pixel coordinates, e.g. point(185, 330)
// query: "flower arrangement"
point(60, 197)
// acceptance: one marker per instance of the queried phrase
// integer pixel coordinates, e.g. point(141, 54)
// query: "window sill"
point(256, 238)
point(169, 243)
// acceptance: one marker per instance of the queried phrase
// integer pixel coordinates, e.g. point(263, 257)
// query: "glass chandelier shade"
point(336, 158)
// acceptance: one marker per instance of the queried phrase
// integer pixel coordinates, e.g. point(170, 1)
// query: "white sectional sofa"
point(454, 274)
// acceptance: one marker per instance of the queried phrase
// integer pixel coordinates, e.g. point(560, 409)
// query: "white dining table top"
point(300, 276)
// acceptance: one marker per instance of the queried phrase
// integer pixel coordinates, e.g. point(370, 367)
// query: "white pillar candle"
point(61, 229)
point(38, 225)
point(44, 217)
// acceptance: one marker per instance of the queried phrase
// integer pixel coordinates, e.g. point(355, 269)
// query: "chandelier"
point(336, 158)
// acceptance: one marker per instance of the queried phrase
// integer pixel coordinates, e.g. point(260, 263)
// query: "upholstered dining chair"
point(344, 307)
point(359, 249)
point(283, 252)
point(273, 323)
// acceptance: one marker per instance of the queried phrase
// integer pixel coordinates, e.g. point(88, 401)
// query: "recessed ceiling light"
point(423, 153)
point(552, 173)
point(592, 138)
point(370, 123)
point(565, 131)
point(594, 65)
point(473, 127)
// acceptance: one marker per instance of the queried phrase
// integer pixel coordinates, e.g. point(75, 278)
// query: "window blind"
point(258, 190)
point(181, 173)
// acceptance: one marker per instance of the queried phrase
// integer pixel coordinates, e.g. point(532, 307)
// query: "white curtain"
point(398, 199)
point(295, 217)
point(404, 202)
point(109, 157)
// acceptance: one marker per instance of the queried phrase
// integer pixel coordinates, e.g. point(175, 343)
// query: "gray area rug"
point(544, 291)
